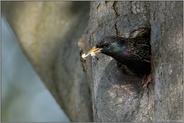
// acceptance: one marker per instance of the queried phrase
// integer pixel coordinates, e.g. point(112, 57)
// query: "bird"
point(133, 55)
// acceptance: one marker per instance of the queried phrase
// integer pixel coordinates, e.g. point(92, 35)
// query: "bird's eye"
point(106, 45)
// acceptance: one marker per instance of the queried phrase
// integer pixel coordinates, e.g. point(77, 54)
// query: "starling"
point(132, 54)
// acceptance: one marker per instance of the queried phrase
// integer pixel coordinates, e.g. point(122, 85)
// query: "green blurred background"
point(24, 97)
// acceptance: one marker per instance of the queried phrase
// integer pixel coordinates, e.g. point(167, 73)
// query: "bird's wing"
point(143, 51)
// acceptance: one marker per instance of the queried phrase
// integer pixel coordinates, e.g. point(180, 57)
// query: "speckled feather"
point(134, 53)
point(140, 47)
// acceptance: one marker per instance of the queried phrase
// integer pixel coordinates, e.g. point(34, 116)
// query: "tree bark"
point(118, 97)
point(167, 60)
point(48, 34)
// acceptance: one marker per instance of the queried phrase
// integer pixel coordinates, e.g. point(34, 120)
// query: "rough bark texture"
point(118, 97)
point(167, 46)
point(48, 33)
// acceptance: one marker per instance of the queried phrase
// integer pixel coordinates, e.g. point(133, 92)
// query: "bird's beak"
point(94, 50)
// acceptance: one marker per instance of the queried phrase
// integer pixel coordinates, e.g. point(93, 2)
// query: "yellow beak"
point(94, 50)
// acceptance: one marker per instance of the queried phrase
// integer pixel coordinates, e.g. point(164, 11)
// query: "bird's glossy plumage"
point(134, 53)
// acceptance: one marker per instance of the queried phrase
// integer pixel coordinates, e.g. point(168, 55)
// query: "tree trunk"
point(118, 97)
point(48, 34)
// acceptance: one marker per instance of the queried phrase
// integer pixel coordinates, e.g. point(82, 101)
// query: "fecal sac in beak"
point(92, 52)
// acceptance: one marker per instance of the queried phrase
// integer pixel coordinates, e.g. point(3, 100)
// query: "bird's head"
point(110, 46)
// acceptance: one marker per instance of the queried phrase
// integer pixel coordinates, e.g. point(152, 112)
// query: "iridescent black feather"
point(132, 54)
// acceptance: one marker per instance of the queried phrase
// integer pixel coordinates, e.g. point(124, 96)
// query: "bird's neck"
point(122, 56)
